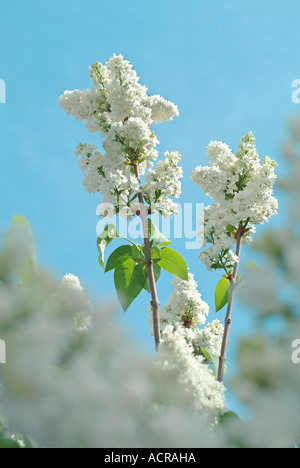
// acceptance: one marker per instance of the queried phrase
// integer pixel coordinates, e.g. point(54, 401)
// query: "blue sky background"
point(228, 65)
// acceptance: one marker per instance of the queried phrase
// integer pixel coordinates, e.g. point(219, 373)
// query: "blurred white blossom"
point(84, 386)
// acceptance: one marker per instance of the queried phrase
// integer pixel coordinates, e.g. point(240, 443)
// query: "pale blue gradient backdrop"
point(228, 65)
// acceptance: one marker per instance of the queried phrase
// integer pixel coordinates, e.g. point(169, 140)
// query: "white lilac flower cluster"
point(163, 184)
point(194, 373)
point(242, 189)
point(185, 346)
point(119, 107)
point(265, 289)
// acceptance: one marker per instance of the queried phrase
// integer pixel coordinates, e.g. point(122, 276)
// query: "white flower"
point(185, 304)
point(162, 110)
point(210, 338)
point(181, 344)
point(71, 300)
point(163, 184)
point(71, 282)
point(119, 108)
point(242, 190)
point(196, 376)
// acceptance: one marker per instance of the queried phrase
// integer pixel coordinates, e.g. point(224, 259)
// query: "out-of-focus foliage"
point(73, 378)
point(268, 380)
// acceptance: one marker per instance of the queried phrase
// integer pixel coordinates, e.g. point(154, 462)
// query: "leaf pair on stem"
point(129, 262)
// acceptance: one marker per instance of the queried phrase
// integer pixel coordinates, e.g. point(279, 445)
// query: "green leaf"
point(109, 233)
point(30, 443)
point(232, 229)
point(119, 256)
point(8, 443)
point(129, 282)
point(174, 263)
point(20, 245)
point(138, 251)
point(157, 272)
point(222, 294)
point(228, 418)
point(131, 242)
point(252, 266)
point(205, 353)
point(216, 266)
point(155, 254)
point(157, 236)
point(216, 363)
point(214, 360)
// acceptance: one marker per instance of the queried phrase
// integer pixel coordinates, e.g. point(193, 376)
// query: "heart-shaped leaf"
point(119, 256)
point(129, 282)
point(174, 263)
